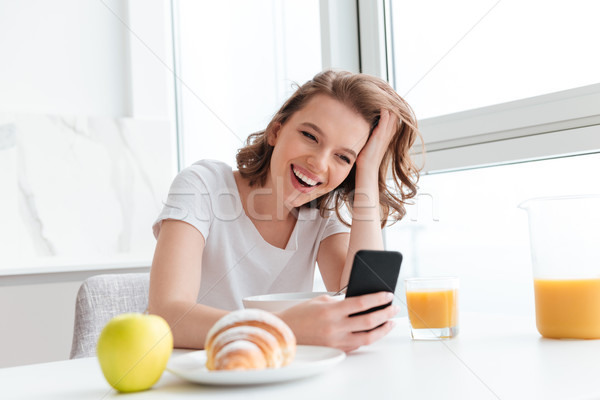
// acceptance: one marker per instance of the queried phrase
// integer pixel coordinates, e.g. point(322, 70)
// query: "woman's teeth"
point(303, 178)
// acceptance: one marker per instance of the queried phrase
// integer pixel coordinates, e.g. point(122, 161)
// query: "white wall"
point(64, 57)
point(75, 58)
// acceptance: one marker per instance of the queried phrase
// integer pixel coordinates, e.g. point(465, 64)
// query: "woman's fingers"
point(380, 139)
point(371, 320)
point(364, 338)
point(353, 341)
point(387, 126)
point(353, 305)
point(384, 119)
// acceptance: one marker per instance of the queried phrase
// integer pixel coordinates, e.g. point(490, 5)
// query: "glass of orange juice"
point(565, 250)
point(432, 307)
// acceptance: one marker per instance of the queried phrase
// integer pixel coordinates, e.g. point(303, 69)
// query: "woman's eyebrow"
point(320, 132)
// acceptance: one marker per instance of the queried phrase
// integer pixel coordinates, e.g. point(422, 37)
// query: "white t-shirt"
point(237, 262)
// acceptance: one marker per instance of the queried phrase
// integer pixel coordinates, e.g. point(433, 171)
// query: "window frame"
point(547, 126)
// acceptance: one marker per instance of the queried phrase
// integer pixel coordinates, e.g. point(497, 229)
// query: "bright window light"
point(451, 56)
point(239, 61)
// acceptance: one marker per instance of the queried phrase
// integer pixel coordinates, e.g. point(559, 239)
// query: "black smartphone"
point(374, 271)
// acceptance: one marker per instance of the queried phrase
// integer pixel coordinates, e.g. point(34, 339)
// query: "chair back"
point(99, 299)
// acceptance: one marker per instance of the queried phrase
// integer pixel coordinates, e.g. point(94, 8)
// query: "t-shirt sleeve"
point(189, 201)
point(333, 225)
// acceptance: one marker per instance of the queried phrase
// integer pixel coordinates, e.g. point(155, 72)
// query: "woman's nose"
point(318, 161)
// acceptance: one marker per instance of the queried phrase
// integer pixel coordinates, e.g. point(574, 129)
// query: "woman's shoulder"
point(208, 167)
point(204, 173)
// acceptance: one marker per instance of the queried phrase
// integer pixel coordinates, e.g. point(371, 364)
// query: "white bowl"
point(281, 301)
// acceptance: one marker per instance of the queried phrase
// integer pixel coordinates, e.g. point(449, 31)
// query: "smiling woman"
point(348, 108)
point(331, 144)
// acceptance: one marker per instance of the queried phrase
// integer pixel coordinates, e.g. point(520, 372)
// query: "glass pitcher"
point(565, 250)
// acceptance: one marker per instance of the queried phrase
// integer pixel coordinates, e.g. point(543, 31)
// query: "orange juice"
point(431, 308)
point(568, 308)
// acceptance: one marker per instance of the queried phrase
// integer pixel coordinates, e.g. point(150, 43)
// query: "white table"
point(494, 357)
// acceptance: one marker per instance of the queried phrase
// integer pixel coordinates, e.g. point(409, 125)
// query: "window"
point(507, 97)
point(467, 223)
point(498, 81)
point(460, 55)
point(238, 61)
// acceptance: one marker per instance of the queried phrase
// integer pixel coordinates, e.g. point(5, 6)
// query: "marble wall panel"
point(80, 190)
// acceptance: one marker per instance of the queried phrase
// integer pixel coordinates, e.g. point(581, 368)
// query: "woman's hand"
point(325, 321)
point(372, 153)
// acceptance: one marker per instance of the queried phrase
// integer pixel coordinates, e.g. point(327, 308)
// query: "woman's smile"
point(316, 149)
point(304, 177)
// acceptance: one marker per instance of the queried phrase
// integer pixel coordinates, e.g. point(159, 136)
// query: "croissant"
point(249, 339)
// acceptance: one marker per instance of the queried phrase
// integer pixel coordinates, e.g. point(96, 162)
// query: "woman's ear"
point(273, 134)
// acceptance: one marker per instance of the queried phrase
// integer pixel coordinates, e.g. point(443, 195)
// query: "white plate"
point(309, 360)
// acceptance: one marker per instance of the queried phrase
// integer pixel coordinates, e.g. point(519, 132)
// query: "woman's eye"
point(308, 135)
point(344, 158)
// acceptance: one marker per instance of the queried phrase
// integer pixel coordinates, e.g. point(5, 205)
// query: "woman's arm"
point(175, 283)
point(331, 257)
point(336, 253)
point(366, 215)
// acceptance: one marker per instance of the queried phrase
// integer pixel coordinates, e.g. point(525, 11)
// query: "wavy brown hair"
point(366, 95)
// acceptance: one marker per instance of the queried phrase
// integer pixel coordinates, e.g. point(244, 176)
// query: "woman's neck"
point(273, 221)
point(263, 203)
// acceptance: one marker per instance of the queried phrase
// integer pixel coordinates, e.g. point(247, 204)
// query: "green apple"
point(133, 350)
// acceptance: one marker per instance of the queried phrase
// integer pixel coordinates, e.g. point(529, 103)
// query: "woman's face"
point(315, 150)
